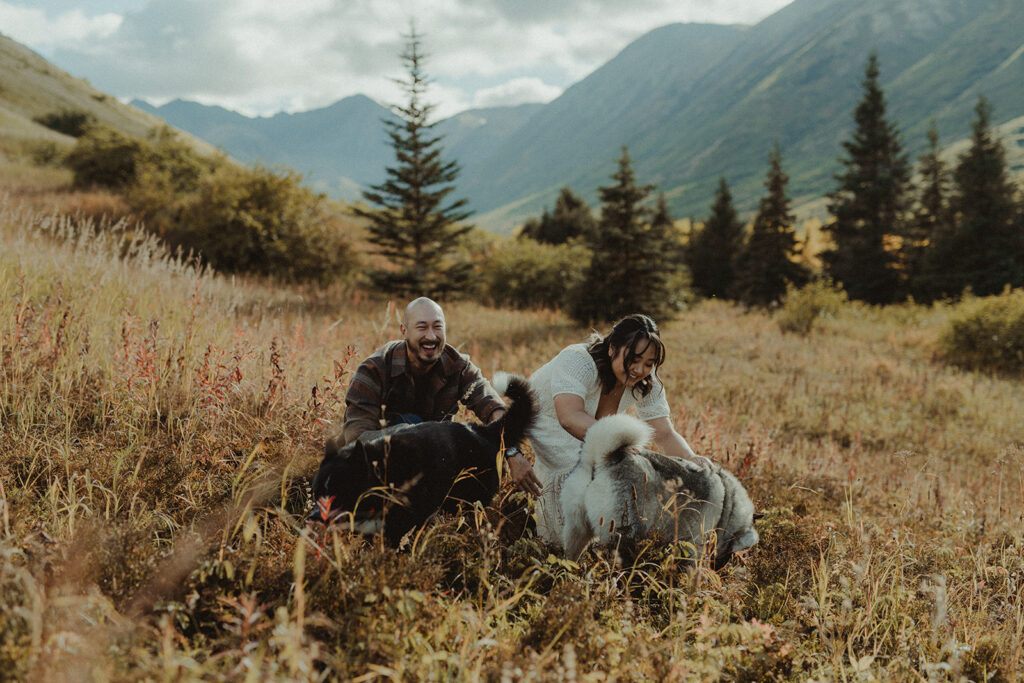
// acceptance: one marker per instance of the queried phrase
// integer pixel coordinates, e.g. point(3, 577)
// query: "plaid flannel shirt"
point(373, 398)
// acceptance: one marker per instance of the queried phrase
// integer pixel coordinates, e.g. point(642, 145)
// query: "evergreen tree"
point(663, 227)
point(629, 271)
point(766, 262)
point(413, 226)
point(924, 264)
point(570, 218)
point(712, 253)
point(869, 206)
point(985, 250)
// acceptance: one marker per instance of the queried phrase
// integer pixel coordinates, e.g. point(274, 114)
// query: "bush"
point(68, 122)
point(238, 220)
point(987, 334)
point(259, 221)
point(801, 308)
point(106, 158)
point(47, 153)
point(524, 273)
point(167, 173)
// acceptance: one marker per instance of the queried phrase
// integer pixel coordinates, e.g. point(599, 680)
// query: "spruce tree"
point(767, 261)
point(926, 267)
point(985, 250)
point(629, 271)
point(571, 218)
point(869, 206)
point(415, 225)
point(712, 252)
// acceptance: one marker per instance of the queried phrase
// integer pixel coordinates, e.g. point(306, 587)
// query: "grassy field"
point(159, 426)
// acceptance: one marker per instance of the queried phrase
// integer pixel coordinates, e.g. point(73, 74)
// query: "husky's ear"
point(758, 515)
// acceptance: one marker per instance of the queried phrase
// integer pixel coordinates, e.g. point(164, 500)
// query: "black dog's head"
point(346, 483)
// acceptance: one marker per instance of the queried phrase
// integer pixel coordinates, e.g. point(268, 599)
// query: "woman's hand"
point(672, 443)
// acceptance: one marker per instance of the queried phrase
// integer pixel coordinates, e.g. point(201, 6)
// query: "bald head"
point(423, 329)
point(422, 307)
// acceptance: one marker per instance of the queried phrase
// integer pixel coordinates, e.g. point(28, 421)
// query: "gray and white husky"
point(620, 489)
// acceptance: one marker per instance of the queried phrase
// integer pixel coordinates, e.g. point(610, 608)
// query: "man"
point(422, 378)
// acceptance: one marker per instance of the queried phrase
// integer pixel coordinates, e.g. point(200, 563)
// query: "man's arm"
point(363, 401)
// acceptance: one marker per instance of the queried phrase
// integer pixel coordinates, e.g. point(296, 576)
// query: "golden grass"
point(158, 426)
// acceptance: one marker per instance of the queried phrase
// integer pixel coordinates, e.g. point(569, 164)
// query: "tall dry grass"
point(158, 425)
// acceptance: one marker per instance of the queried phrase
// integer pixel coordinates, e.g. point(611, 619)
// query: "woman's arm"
point(569, 408)
point(672, 443)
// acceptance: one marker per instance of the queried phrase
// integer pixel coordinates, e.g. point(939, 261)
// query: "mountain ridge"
point(696, 102)
point(693, 103)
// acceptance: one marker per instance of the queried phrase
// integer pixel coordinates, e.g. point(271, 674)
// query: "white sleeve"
point(653, 405)
point(574, 373)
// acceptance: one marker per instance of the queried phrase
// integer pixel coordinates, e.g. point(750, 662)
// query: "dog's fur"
point(622, 491)
point(395, 480)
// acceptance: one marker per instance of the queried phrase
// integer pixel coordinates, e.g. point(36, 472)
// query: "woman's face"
point(642, 366)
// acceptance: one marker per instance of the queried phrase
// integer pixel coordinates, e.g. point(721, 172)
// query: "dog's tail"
point(608, 439)
point(521, 415)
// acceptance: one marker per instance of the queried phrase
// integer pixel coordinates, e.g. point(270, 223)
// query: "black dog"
point(396, 479)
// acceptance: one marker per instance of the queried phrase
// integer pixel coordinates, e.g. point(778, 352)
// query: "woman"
point(584, 383)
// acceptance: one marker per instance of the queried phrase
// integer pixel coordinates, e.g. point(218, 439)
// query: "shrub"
point(802, 307)
point(987, 333)
point(258, 221)
point(524, 273)
point(236, 219)
point(104, 157)
point(167, 172)
point(68, 122)
point(47, 153)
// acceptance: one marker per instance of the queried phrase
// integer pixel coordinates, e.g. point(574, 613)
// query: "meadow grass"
point(159, 425)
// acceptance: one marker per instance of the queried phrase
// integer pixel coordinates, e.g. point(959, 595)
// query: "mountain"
point(32, 87)
point(693, 102)
point(794, 77)
point(474, 136)
point(340, 148)
point(576, 139)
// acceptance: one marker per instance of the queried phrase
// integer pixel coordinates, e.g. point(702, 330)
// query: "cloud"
point(516, 91)
point(264, 56)
point(33, 27)
point(167, 49)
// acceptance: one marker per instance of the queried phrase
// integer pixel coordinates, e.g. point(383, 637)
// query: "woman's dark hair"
point(634, 333)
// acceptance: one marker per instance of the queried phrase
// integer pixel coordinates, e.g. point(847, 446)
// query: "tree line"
point(950, 231)
point(894, 234)
point(892, 237)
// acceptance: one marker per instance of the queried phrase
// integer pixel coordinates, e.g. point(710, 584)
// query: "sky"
point(260, 57)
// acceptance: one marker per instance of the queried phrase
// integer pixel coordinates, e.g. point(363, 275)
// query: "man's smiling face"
point(424, 330)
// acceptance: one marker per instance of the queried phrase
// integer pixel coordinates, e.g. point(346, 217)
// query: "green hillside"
point(793, 78)
point(31, 87)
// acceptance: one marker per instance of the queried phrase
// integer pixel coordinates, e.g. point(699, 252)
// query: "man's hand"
point(522, 474)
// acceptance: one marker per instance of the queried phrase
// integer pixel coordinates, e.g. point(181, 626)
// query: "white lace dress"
point(557, 451)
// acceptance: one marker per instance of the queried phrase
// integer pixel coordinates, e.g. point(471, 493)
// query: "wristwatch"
point(512, 452)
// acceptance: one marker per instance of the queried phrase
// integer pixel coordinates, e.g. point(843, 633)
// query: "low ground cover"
point(159, 425)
